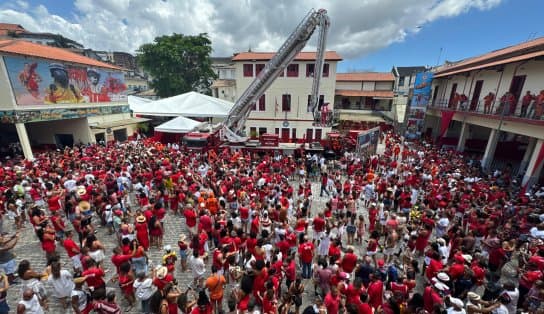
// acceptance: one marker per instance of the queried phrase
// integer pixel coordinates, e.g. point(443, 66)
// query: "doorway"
point(517, 86)
point(452, 95)
point(476, 95)
point(64, 140)
point(120, 135)
point(100, 138)
point(285, 134)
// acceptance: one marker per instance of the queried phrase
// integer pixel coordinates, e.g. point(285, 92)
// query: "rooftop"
point(511, 52)
point(265, 56)
point(29, 49)
point(407, 71)
point(6, 28)
point(364, 76)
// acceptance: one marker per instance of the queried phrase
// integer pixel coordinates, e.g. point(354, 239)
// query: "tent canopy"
point(178, 125)
point(191, 104)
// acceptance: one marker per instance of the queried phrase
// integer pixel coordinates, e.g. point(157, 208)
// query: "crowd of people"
point(413, 230)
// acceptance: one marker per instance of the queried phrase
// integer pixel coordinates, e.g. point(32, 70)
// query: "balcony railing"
point(496, 108)
point(326, 119)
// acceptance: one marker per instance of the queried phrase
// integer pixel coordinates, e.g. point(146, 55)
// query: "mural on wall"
point(40, 82)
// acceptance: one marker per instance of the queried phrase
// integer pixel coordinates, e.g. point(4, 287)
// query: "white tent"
point(191, 104)
point(178, 125)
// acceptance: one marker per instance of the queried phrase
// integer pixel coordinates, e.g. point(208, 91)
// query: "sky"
point(371, 35)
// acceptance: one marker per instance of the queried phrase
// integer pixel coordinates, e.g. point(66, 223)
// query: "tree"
point(178, 64)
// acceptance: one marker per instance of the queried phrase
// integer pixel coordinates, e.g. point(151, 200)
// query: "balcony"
point(325, 119)
point(496, 110)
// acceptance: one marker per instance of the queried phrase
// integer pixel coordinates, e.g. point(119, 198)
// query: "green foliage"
point(178, 64)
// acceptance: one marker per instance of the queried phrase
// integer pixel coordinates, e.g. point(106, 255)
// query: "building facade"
point(493, 105)
point(284, 108)
point(361, 98)
point(224, 87)
point(51, 97)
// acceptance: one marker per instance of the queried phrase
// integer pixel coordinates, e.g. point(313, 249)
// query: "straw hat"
point(473, 297)
point(182, 237)
point(81, 190)
point(140, 219)
point(161, 272)
point(84, 205)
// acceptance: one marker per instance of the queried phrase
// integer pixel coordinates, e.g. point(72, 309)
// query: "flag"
point(277, 107)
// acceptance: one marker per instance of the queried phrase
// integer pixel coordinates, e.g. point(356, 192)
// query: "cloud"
point(358, 27)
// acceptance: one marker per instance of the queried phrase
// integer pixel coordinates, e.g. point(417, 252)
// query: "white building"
point(405, 78)
point(224, 87)
point(284, 109)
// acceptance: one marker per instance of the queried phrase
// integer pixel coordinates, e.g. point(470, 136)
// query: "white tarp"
point(191, 104)
point(178, 125)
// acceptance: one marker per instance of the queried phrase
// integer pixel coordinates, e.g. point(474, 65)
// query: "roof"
point(5, 28)
point(364, 76)
point(221, 60)
point(497, 55)
point(363, 93)
point(492, 64)
point(407, 71)
point(191, 104)
point(302, 56)
point(178, 125)
point(26, 48)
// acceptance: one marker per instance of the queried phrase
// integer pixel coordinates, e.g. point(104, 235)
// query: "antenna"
point(439, 56)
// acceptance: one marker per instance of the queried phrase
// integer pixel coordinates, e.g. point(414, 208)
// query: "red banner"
point(447, 116)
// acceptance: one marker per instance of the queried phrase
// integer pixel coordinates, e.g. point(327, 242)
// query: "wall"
point(384, 86)
point(7, 100)
point(131, 128)
point(44, 132)
point(349, 85)
point(369, 86)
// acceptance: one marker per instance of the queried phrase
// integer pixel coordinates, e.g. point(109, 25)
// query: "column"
point(527, 156)
point(24, 141)
point(490, 148)
point(463, 137)
point(535, 165)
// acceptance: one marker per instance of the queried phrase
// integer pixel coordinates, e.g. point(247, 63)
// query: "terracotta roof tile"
point(494, 55)
point(302, 56)
point(364, 93)
point(26, 48)
point(364, 76)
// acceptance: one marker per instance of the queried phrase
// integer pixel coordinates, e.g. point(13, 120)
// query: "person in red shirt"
point(332, 301)
point(318, 226)
point(290, 271)
point(261, 276)
point(118, 259)
point(306, 251)
point(349, 261)
point(375, 290)
point(73, 251)
point(190, 219)
point(94, 276)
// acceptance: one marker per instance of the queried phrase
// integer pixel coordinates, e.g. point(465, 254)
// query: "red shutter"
point(309, 135)
point(258, 68)
point(248, 70)
point(262, 103)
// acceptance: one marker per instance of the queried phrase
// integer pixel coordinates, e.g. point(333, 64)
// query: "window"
point(258, 68)
point(292, 70)
point(285, 102)
point(294, 134)
point(262, 131)
point(309, 106)
point(401, 81)
point(326, 70)
point(262, 103)
point(318, 134)
point(320, 104)
point(248, 70)
point(253, 132)
point(277, 131)
point(285, 134)
point(253, 106)
point(321, 101)
point(309, 135)
point(310, 70)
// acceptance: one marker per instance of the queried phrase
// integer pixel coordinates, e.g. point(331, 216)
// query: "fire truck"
point(232, 130)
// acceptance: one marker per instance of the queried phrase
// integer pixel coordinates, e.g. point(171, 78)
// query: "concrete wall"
point(7, 100)
point(370, 86)
point(349, 85)
point(384, 86)
point(44, 132)
point(131, 128)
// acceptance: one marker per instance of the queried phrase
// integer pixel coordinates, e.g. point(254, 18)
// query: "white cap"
point(440, 286)
point(168, 247)
point(468, 258)
point(457, 302)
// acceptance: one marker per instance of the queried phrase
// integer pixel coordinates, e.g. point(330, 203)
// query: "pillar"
point(24, 141)
point(463, 137)
point(535, 164)
point(487, 159)
point(527, 156)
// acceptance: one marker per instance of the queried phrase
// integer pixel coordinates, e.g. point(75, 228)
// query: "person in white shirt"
point(456, 306)
point(29, 303)
point(198, 267)
point(144, 289)
point(513, 293)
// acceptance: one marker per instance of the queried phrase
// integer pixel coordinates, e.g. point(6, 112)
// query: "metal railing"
point(496, 108)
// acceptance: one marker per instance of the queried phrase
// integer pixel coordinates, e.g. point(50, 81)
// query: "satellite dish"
point(108, 130)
